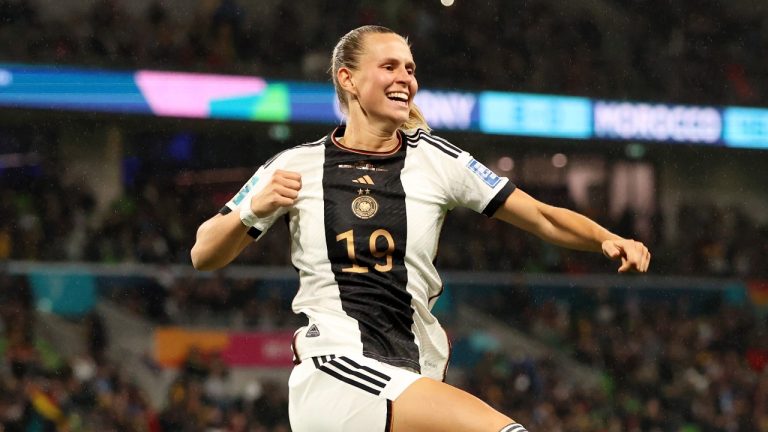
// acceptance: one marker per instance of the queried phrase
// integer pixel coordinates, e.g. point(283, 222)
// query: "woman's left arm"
point(569, 229)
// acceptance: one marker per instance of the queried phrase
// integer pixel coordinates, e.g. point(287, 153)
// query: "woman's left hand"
point(633, 254)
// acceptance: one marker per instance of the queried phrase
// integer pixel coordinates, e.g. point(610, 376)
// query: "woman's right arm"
point(221, 238)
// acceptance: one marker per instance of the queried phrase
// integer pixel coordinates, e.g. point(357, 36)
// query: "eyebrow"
point(409, 63)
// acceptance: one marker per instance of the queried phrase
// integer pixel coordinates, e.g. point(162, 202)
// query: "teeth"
point(398, 95)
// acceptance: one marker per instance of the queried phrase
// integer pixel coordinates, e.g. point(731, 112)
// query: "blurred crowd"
point(669, 365)
point(672, 364)
point(43, 391)
point(688, 51)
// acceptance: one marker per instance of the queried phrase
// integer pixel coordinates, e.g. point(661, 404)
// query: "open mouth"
point(400, 97)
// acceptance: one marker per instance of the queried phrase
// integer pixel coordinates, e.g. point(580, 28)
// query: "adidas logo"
point(313, 331)
point(364, 180)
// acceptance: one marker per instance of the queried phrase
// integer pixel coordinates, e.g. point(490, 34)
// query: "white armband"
point(247, 216)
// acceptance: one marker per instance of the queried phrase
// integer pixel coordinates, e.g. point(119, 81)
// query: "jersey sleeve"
point(254, 185)
point(473, 185)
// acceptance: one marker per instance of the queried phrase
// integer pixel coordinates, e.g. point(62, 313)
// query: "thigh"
point(338, 394)
point(428, 405)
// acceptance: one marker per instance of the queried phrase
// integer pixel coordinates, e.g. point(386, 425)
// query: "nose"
point(403, 75)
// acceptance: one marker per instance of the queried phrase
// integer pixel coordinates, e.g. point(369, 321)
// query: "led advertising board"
point(657, 122)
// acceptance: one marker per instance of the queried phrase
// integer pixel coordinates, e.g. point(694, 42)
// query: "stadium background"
point(644, 115)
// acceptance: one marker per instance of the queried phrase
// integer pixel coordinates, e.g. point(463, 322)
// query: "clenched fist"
point(281, 191)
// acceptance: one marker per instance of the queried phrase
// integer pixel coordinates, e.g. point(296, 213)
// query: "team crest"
point(364, 206)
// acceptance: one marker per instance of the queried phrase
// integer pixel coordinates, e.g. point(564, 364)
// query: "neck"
point(369, 137)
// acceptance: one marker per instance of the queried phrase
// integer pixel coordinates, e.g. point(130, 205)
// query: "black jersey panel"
point(366, 236)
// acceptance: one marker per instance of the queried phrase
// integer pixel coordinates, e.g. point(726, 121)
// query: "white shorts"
point(344, 393)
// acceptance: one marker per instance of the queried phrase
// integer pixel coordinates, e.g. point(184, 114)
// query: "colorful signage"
point(746, 127)
point(535, 115)
point(194, 95)
point(656, 122)
point(258, 349)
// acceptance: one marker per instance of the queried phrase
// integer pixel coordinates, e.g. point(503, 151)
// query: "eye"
point(389, 67)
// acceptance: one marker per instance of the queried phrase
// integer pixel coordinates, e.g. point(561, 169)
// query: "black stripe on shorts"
point(365, 368)
point(355, 374)
point(321, 360)
point(360, 375)
point(349, 381)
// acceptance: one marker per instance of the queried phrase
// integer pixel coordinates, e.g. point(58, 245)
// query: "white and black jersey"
point(364, 236)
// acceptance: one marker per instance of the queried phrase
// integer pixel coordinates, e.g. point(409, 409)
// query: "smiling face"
point(384, 83)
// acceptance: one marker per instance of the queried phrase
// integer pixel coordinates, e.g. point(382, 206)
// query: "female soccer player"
point(365, 206)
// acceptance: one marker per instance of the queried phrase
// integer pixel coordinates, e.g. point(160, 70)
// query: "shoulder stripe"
point(440, 146)
point(416, 136)
point(300, 146)
point(422, 133)
point(440, 143)
point(444, 142)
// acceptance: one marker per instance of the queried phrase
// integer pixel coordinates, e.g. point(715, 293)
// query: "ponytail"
point(416, 120)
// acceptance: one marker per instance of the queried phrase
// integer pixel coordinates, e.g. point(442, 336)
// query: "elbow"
point(202, 261)
point(202, 254)
point(197, 261)
point(198, 264)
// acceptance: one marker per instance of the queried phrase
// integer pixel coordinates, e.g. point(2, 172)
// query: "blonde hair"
point(347, 54)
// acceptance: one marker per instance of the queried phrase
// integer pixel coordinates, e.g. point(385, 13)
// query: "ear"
point(344, 76)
